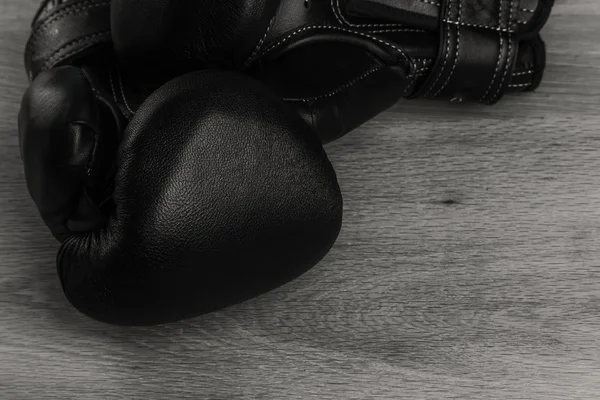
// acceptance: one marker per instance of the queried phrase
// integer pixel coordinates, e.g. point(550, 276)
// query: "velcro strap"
point(477, 51)
point(479, 40)
point(68, 31)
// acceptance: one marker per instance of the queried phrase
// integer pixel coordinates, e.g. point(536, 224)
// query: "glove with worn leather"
point(338, 63)
point(210, 191)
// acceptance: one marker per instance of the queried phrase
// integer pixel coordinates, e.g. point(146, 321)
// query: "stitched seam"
point(419, 73)
point(529, 10)
point(61, 15)
point(98, 97)
point(508, 56)
point(430, 2)
point(513, 15)
point(342, 88)
point(57, 54)
point(478, 26)
point(424, 60)
point(457, 51)
point(114, 93)
point(343, 21)
point(123, 93)
point(112, 86)
point(500, 14)
point(260, 43)
point(43, 7)
point(70, 7)
point(425, 67)
point(431, 87)
point(520, 85)
point(289, 36)
point(501, 47)
point(398, 30)
point(306, 28)
point(523, 73)
point(411, 85)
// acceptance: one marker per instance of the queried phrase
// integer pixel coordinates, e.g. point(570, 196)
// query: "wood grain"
point(468, 266)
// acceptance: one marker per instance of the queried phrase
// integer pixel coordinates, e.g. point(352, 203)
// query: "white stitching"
point(295, 33)
point(348, 85)
point(523, 73)
point(508, 56)
point(501, 48)
point(431, 2)
point(431, 87)
point(529, 10)
point(457, 54)
point(478, 26)
point(500, 20)
point(397, 30)
point(500, 51)
point(424, 61)
point(520, 85)
point(343, 21)
point(260, 43)
point(412, 84)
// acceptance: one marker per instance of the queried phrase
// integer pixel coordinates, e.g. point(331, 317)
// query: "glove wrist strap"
point(477, 51)
point(479, 41)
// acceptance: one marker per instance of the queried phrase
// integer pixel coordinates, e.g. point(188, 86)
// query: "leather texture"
point(192, 34)
point(338, 63)
point(211, 192)
point(64, 31)
point(176, 189)
point(341, 62)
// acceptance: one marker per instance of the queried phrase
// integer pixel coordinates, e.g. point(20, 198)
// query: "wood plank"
point(468, 265)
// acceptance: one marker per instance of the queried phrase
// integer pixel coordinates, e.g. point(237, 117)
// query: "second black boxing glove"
point(339, 63)
point(212, 193)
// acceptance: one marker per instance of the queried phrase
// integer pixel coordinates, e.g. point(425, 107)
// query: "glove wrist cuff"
point(479, 49)
point(66, 32)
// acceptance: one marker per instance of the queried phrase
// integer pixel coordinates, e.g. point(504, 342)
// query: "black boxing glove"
point(211, 192)
point(338, 63)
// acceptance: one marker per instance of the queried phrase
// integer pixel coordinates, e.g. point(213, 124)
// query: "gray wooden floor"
point(468, 266)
